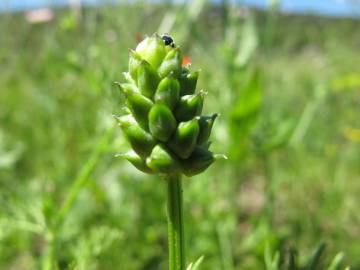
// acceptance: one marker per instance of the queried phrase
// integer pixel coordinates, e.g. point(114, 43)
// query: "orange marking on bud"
point(186, 60)
point(138, 37)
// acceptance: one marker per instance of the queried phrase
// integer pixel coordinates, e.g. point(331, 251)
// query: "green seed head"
point(163, 123)
point(162, 161)
point(152, 49)
point(171, 63)
point(188, 81)
point(168, 92)
point(137, 161)
point(184, 139)
point(147, 79)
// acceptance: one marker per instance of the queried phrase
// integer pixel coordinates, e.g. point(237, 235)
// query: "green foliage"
point(196, 264)
point(316, 261)
point(65, 201)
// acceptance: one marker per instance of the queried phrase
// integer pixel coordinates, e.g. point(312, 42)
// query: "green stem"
point(175, 223)
point(49, 254)
point(269, 190)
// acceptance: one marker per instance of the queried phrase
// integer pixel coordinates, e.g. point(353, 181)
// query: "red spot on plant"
point(138, 37)
point(186, 60)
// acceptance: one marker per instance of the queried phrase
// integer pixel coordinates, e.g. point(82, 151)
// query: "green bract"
point(164, 125)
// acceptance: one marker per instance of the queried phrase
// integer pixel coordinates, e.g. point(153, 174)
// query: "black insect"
point(168, 40)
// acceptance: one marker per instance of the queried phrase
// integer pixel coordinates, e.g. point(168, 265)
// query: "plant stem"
point(269, 190)
point(175, 223)
point(49, 254)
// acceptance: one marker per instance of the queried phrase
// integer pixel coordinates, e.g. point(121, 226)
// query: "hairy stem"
point(175, 223)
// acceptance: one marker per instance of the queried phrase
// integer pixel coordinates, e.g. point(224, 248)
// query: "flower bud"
point(128, 77)
point(162, 161)
point(141, 141)
point(152, 49)
point(189, 106)
point(147, 79)
point(168, 92)
point(134, 63)
point(205, 124)
point(125, 120)
point(188, 82)
point(139, 107)
point(184, 139)
point(162, 122)
point(171, 63)
point(200, 160)
point(163, 125)
point(127, 87)
point(137, 161)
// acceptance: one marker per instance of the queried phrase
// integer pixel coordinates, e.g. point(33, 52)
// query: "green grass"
point(289, 102)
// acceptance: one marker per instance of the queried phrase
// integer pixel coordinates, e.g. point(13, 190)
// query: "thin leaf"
point(249, 43)
point(336, 262)
point(292, 260)
point(271, 263)
point(195, 266)
point(316, 258)
point(250, 98)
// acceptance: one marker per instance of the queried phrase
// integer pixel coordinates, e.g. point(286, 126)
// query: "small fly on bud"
point(168, 40)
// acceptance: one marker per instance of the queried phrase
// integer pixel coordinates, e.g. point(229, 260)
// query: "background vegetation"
point(287, 87)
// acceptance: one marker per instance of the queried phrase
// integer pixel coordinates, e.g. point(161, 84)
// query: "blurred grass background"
point(287, 88)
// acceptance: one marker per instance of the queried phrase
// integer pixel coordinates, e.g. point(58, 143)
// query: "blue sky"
point(322, 7)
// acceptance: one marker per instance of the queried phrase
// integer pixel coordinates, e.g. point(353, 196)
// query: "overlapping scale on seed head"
point(164, 125)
